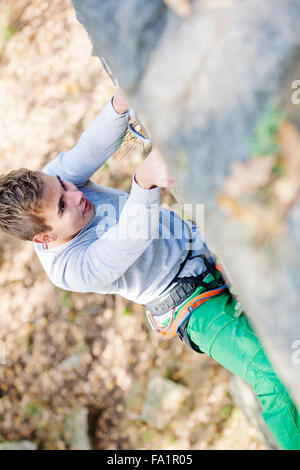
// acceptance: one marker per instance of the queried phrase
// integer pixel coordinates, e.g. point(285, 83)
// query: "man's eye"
point(62, 207)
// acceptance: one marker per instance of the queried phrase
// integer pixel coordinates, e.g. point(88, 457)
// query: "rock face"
point(201, 84)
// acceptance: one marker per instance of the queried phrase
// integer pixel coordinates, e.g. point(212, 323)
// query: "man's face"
point(66, 209)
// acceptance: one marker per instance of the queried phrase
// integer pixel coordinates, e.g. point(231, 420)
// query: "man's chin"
point(92, 210)
point(88, 218)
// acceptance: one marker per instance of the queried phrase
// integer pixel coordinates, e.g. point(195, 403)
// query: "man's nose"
point(77, 197)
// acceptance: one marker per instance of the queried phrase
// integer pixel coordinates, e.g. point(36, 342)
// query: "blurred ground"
point(50, 90)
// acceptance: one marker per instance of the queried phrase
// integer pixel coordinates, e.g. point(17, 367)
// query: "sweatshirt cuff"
point(144, 196)
point(109, 116)
point(114, 112)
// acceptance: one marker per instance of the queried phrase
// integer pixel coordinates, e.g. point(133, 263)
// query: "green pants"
point(232, 342)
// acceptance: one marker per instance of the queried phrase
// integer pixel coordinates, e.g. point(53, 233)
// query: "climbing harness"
point(171, 331)
point(182, 292)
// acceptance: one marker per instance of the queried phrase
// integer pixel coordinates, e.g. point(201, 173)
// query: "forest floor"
point(50, 90)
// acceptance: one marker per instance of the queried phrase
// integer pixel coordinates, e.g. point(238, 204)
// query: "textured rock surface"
point(201, 84)
point(164, 400)
point(77, 429)
point(18, 445)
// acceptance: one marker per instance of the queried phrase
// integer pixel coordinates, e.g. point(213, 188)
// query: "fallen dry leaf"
point(248, 177)
point(181, 7)
point(286, 190)
point(287, 187)
point(283, 188)
point(289, 142)
point(263, 221)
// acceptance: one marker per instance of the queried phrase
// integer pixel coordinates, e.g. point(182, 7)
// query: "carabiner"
point(146, 139)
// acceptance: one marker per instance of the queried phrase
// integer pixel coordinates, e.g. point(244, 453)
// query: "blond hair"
point(22, 194)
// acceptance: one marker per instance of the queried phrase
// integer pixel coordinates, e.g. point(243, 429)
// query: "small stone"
point(70, 362)
point(164, 400)
point(77, 429)
point(18, 445)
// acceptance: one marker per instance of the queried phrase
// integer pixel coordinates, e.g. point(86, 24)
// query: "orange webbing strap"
point(188, 308)
point(220, 268)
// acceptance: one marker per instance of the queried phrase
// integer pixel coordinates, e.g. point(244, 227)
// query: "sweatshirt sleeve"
point(101, 139)
point(102, 262)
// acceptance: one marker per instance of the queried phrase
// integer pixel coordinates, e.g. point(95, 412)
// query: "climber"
point(90, 238)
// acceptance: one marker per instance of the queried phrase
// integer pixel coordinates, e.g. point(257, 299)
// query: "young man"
point(91, 238)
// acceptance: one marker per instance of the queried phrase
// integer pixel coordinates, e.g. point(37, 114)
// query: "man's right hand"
point(154, 171)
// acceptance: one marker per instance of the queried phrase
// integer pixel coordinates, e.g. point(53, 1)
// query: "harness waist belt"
point(182, 291)
point(178, 294)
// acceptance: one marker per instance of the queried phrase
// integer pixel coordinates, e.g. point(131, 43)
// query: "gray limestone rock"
point(124, 33)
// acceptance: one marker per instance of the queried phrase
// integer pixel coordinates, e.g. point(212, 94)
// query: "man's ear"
point(45, 237)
